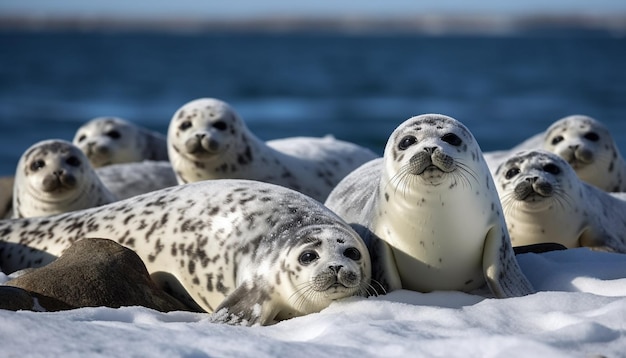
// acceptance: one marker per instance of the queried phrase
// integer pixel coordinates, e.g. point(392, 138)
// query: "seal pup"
point(112, 140)
point(54, 176)
point(585, 143)
point(430, 214)
point(208, 140)
point(544, 201)
point(251, 252)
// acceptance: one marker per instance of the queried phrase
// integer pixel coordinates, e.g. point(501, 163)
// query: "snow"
point(579, 311)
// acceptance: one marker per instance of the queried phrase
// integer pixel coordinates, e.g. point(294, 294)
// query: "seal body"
point(251, 252)
point(126, 180)
point(544, 201)
point(112, 140)
point(430, 214)
point(54, 176)
point(585, 143)
point(208, 140)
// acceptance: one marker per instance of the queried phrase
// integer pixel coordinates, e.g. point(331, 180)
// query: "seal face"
point(587, 145)
point(544, 201)
point(208, 140)
point(112, 140)
point(430, 213)
point(251, 252)
point(54, 176)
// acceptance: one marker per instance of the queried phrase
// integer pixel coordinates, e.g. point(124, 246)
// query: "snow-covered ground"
point(580, 311)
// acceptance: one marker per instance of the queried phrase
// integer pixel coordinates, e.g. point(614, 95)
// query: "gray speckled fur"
point(30, 199)
point(129, 179)
point(135, 143)
point(228, 149)
point(459, 206)
point(222, 243)
point(568, 211)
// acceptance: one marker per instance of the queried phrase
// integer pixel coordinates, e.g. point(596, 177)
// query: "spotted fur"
point(208, 140)
point(112, 140)
point(544, 201)
point(251, 252)
point(429, 212)
point(54, 176)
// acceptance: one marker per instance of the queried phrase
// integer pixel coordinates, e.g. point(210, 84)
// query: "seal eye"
point(592, 136)
point(82, 138)
point(184, 125)
point(452, 139)
point(407, 142)
point(37, 164)
point(511, 173)
point(352, 253)
point(73, 161)
point(220, 125)
point(552, 169)
point(307, 257)
point(114, 134)
point(557, 139)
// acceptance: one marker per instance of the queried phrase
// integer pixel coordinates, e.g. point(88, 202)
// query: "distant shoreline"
point(432, 25)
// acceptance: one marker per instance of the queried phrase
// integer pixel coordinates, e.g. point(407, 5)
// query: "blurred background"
point(349, 68)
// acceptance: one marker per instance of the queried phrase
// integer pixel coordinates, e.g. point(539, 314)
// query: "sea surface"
point(358, 87)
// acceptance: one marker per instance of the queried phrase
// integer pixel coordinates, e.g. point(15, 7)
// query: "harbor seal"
point(250, 252)
point(54, 176)
point(208, 140)
point(430, 214)
point(585, 143)
point(544, 201)
point(112, 140)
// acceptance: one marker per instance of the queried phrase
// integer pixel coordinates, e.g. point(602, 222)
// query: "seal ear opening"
point(170, 284)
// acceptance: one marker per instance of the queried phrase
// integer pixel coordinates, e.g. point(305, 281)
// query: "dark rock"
point(15, 299)
point(95, 272)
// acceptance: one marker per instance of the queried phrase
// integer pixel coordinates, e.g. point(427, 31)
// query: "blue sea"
point(358, 87)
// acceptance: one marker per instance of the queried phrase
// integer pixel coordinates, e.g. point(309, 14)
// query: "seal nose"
point(532, 180)
point(574, 146)
point(335, 268)
point(430, 150)
point(200, 135)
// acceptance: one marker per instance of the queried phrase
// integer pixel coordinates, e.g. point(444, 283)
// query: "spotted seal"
point(208, 140)
point(54, 176)
point(585, 143)
point(430, 214)
point(112, 140)
point(250, 252)
point(544, 201)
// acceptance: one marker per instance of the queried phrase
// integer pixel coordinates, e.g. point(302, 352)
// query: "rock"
point(92, 273)
point(6, 195)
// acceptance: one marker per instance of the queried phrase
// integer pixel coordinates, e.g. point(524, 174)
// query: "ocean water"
point(358, 87)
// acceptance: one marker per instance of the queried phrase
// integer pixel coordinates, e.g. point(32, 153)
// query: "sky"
point(255, 8)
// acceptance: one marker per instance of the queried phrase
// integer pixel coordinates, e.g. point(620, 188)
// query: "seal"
point(545, 201)
point(208, 140)
point(111, 140)
point(251, 252)
point(430, 213)
point(54, 176)
point(585, 143)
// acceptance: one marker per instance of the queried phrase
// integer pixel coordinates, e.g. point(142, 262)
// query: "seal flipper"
point(502, 273)
point(245, 306)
